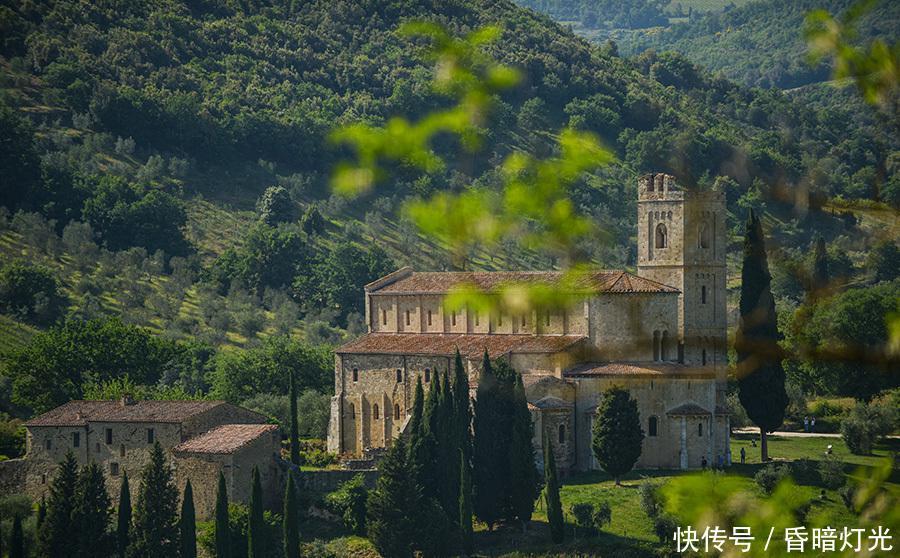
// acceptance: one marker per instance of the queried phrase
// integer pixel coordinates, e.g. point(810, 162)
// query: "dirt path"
point(786, 434)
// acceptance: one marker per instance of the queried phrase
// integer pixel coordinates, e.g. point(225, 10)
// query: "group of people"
point(720, 461)
point(809, 424)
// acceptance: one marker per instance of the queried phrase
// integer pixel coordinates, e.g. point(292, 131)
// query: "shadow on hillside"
point(510, 539)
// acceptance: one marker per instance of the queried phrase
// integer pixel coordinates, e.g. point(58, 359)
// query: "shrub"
point(769, 476)
point(848, 495)
point(664, 526)
point(584, 517)
point(866, 424)
point(831, 472)
point(602, 515)
point(349, 502)
point(651, 500)
point(804, 471)
point(29, 291)
point(317, 458)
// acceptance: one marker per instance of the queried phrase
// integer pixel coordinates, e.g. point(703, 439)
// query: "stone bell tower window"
point(662, 236)
point(703, 235)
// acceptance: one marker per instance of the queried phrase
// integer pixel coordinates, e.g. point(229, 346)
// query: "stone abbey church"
point(661, 334)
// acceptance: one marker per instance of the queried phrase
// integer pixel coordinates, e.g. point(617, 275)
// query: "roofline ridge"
point(391, 277)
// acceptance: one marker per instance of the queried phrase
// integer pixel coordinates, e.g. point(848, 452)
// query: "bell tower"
point(681, 243)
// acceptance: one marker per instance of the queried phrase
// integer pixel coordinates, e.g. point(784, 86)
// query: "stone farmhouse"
point(201, 439)
point(660, 333)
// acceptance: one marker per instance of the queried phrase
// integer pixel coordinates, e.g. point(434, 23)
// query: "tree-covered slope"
point(760, 43)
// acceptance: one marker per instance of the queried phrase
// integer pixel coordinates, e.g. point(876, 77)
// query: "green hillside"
point(160, 125)
point(760, 43)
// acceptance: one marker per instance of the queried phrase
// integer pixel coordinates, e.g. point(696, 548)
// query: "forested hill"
point(760, 43)
point(158, 125)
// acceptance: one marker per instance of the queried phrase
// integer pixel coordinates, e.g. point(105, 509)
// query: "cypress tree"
point(256, 535)
point(392, 505)
point(17, 539)
point(461, 406)
point(465, 503)
point(819, 277)
point(91, 514)
point(759, 370)
point(488, 461)
point(124, 519)
point(523, 475)
point(58, 534)
point(295, 429)
point(41, 516)
point(187, 524)
point(155, 530)
point(426, 462)
point(223, 534)
point(291, 520)
point(554, 505)
point(447, 438)
point(617, 435)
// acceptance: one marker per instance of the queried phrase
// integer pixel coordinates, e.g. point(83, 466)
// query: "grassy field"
point(631, 532)
point(705, 5)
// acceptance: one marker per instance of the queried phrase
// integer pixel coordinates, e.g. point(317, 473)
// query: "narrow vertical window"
point(109, 439)
point(703, 356)
point(429, 317)
point(651, 427)
point(476, 318)
point(375, 413)
point(399, 375)
point(352, 411)
point(523, 320)
point(427, 375)
point(700, 429)
point(547, 318)
point(356, 374)
point(76, 439)
point(656, 346)
point(114, 469)
point(561, 434)
point(662, 237)
point(453, 318)
point(704, 236)
point(122, 450)
point(151, 435)
point(48, 444)
point(383, 316)
point(499, 319)
point(407, 317)
point(396, 411)
point(664, 346)
point(703, 294)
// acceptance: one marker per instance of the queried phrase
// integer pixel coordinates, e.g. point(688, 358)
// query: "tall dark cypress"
point(17, 539)
point(41, 516)
point(123, 521)
point(91, 514)
point(295, 429)
point(291, 526)
point(426, 452)
point(448, 471)
point(488, 470)
point(421, 444)
point(187, 524)
point(391, 509)
point(155, 529)
point(554, 505)
point(56, 538)
point(523, 474)
point(223, 534)
point(465, 503)
point(819, 277)
point(462, 406)
point(256, 536)
point(759, 369)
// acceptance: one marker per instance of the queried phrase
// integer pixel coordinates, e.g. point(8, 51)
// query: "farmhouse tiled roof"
point(470, 345)
point(406, 281)
point(688, 409)
point(227, 438)
point(661, 369)
point(551, 402)
point(80, 412)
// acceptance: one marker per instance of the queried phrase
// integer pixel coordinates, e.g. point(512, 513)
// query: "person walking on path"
point(812, 424)
point(743, 455)
point(806, 424)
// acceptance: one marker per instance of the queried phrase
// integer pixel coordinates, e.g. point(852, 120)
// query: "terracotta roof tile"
point(439, 282)
point(227, 438)
point(637, 369)
point(470, 345)
point(691, 409)
point(80, 412)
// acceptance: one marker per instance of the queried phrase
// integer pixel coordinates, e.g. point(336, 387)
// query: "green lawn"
point(783, 448)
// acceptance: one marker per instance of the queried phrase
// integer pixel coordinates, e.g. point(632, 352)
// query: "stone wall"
point(12, 476)
point(323, 482)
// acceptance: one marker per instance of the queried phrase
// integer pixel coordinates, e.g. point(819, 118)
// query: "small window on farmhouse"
point(396, 411)
point(48, 443)
point(407, 317)
point(356, 374)
point(114, 469)
point(561, 434)
point(109, 435)
point(662, 236)
point(383, 317)
point(427, 375)
point(97, 447)
point(656, 345)
point(76, 439)
point(651, 427)
point(703, 294)
point(150, 435)
point(429, 317)
point(375, 413)
point(44, 478)
point(700, 429)
point(399, 375)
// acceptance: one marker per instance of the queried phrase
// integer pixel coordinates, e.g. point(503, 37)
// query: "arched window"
point(399, 375)
point(703, 235)
point(561, 434)
point(375, 413)
point(352, 411)
point(651, 427)
point(396, 411)
point(703, 294)
point(427, 375)
point(700, 429)
point(662, 236)
point(664, 346)
point(656, 345)
point(356, 374)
